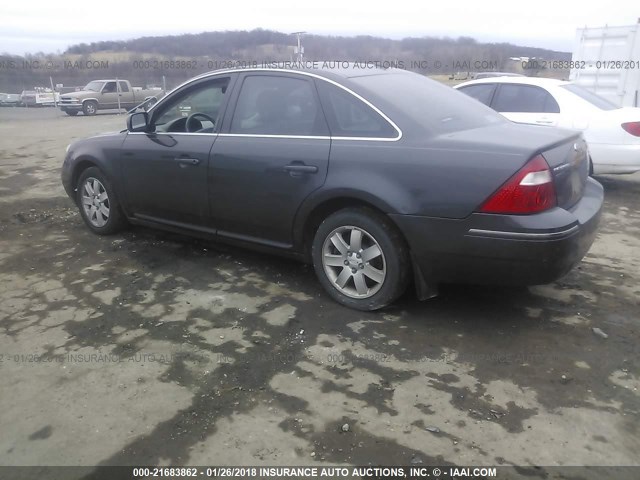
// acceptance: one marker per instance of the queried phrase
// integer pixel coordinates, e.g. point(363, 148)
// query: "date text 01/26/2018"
point(580, 64)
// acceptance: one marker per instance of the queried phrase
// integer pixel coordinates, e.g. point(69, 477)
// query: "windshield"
point(594, 99)
point(437, 107)
point(94, 86)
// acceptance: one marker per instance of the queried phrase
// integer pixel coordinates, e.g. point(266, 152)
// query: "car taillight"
point(633, 128)
point(530, 190)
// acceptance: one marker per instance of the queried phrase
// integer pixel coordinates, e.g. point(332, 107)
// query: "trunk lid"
point(569, 163)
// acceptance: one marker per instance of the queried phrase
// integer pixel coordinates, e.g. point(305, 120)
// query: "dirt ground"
point(153, 348)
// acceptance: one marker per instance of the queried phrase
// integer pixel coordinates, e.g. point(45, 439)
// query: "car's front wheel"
point(90, 107)
point(98, 203)
point(361, 259)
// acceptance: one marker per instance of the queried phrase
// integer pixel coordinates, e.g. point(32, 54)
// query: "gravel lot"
point(153, 348)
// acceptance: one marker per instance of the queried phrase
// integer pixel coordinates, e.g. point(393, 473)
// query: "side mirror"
point(138, 122)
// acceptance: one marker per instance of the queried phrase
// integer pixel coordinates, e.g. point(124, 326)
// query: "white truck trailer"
point(606, 61)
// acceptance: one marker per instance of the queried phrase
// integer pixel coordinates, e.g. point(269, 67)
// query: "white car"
point(612, 133)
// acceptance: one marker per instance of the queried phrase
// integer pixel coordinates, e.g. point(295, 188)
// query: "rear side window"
point(592, 98)
point(426, 103)
point(524, 98)
point(482, 93)
point(276, 105)
point(123, 86)
point(350, 117)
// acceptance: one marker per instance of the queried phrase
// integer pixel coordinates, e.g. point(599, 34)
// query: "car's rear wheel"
point(71, 113)
point(90, 107)
point(361, 259)
point(98, 204)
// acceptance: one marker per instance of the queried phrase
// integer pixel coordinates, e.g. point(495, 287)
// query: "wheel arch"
point(86, 101)
point(314, 211)
point(84, 162)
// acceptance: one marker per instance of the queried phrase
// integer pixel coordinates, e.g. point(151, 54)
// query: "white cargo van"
point(606, 60)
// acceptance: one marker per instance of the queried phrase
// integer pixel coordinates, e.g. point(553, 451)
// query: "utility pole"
point(299, 50)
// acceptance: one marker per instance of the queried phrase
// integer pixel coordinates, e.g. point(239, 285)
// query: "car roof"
point(541, 82)
point(334, 70)
point(497, 74)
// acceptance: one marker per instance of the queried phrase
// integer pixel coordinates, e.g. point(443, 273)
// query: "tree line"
point(143, 60)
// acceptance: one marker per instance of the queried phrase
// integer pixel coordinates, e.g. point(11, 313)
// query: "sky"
point(33, 26)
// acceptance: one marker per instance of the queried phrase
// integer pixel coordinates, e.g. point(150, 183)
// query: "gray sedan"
point(378, 177)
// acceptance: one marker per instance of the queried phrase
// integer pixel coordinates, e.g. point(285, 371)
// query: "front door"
point(165, 172)
point(109, 95)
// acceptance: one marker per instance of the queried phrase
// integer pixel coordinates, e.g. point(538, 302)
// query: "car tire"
point(71, 113)
point(90, 107)
point(98, 204)
point(349, 267)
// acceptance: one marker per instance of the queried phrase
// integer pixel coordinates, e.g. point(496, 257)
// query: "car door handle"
point(544, 122)
point(187, 162)
point(294, 168)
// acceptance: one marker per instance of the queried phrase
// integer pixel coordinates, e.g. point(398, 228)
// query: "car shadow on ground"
point(530, 337)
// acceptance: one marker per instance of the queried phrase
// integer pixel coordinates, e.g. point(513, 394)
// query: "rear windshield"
point(594, 99)
point(438, 108)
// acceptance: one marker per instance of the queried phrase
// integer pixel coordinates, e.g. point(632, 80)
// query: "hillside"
point(147, 60)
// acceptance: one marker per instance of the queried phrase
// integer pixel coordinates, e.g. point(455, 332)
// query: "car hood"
point(108, 139)
point(80, 94)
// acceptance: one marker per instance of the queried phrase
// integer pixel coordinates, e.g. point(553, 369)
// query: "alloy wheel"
point(354, 262)
point(95, 202)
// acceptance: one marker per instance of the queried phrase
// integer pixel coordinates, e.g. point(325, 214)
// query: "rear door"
point(273, 152)
point(526, 104)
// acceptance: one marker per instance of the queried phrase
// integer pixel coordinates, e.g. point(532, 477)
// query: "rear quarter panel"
point(447, 176)
point(417, 178)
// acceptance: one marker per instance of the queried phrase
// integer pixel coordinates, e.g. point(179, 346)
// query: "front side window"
point(109, 87)
point(204, 99)
point(524, 99)
point(275, 105)
point(351, 117)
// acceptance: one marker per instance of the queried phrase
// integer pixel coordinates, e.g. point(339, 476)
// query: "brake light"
point(633, 128)
point(530, 190)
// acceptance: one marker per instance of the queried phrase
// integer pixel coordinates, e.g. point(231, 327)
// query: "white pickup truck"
point(106, 94)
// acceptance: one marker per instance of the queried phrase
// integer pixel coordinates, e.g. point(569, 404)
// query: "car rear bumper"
point(504, 249)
